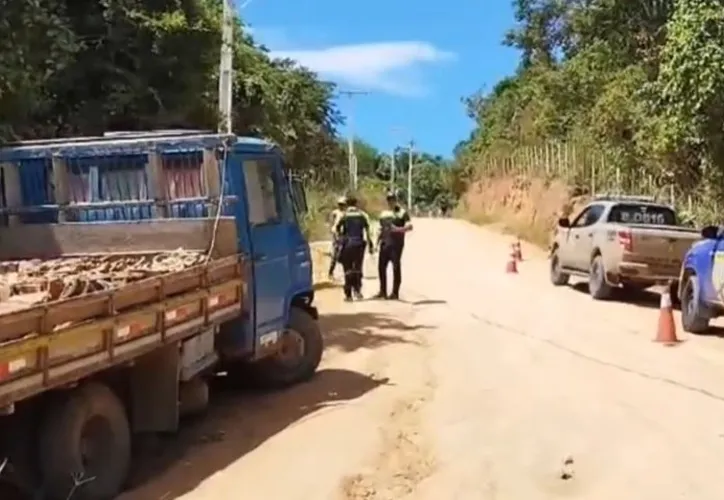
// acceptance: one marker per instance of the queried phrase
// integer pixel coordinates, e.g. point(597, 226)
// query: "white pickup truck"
point(617, 241)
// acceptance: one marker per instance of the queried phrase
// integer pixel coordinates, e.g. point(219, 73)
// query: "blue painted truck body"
point(109, 182)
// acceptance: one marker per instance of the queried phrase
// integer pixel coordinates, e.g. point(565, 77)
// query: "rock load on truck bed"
point(30, 282)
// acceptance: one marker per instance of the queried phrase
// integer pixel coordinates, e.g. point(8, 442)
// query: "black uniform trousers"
point(351, 257)
point(390, 253)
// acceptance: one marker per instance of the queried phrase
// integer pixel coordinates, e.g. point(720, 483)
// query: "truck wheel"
point(298, 359)
point(85, 445)
point(693, 316)
point(558, 277)
point(597, 286)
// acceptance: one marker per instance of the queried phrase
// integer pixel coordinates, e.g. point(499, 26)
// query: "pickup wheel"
point(558, 277)
point(597, 286)
point(693, 316)
point(85, 445)
point(299, 357)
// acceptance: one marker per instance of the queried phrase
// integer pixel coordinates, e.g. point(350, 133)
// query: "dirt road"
point(480, 385)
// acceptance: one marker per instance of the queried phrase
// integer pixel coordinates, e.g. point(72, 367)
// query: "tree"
point(86, 67)
point(641, 82)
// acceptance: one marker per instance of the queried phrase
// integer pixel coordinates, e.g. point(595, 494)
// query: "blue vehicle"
point(701, 285)
point(82, 373)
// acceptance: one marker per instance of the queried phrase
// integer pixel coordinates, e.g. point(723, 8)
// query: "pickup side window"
point(589, 216)
point(631, 213)
point(261, 191)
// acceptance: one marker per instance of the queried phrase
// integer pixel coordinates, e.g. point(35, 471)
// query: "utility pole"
point(395, 131)
point(409, 176)
point(226, 69)
point(392, 169)
point(351, 157)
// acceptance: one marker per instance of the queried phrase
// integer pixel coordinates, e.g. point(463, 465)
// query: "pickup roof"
point(626, 242)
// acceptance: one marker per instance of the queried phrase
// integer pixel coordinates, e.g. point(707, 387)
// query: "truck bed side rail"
point(54, 344)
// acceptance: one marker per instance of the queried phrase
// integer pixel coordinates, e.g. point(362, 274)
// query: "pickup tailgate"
point(660, 248)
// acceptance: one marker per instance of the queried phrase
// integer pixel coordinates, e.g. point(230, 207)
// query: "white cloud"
point(392, 67)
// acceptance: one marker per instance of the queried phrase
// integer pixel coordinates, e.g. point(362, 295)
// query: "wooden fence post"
point(12, 196)
point(157, 190)
point(211, 173)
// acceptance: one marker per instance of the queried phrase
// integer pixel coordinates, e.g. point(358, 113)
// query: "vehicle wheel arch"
point(695, 315)
point(304, 301)
point(685, 275)
point(595, 253)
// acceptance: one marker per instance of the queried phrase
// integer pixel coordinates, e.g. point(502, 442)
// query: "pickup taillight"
point(625, 239)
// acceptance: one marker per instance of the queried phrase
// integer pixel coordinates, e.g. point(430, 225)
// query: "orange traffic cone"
point(666, 333)
point(518, 251)
point(512, 266)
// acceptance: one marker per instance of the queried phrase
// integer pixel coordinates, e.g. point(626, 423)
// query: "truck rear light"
point(625, 239)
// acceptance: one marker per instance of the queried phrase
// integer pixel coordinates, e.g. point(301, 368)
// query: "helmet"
point(342, 200)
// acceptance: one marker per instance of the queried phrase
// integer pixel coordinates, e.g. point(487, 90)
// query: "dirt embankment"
point(527, 207)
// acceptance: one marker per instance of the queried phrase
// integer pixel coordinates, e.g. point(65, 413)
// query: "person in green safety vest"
point(353, 232)
point(394, 224)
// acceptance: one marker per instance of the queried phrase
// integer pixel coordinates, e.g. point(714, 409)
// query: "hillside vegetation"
point(609, 96)
point(86, 67)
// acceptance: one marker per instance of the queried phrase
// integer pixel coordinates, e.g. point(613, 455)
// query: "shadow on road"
point(642, 298)
point(235, 425)
point(427, 302)
point(353, 331)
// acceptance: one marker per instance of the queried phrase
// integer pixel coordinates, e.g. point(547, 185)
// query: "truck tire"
point(694, 318)
point(597, 286)
point(558, 277)
point(85, 438)
point(298, 360)
point(674, 294)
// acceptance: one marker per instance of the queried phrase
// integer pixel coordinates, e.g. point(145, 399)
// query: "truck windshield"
point(642, 214)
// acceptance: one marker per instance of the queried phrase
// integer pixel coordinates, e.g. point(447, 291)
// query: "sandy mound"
point(528, 207)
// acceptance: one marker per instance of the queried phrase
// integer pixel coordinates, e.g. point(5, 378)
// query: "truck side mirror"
point(299, 195)
point(710, 232)
point(564, 222)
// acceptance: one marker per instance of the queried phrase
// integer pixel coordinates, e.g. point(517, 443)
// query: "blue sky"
point(417, 58)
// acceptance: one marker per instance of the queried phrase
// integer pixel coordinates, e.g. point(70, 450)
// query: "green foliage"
point(87, 66)
point(640, 83)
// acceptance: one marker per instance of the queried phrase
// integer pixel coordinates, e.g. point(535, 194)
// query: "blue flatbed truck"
point(79, 377)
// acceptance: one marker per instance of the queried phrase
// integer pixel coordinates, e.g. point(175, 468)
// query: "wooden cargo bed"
point(59, 341)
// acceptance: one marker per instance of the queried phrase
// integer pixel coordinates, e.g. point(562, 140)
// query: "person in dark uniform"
point(394, 224)
point(335, 216)
point(353, 231)
point(444, 207)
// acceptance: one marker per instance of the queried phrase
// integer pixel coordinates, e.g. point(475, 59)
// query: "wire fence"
point(595, 173)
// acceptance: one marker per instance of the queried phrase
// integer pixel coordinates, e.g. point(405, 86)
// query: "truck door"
point(584, 236)
point(269, 246)
point(713, 271)
point(569, 246)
